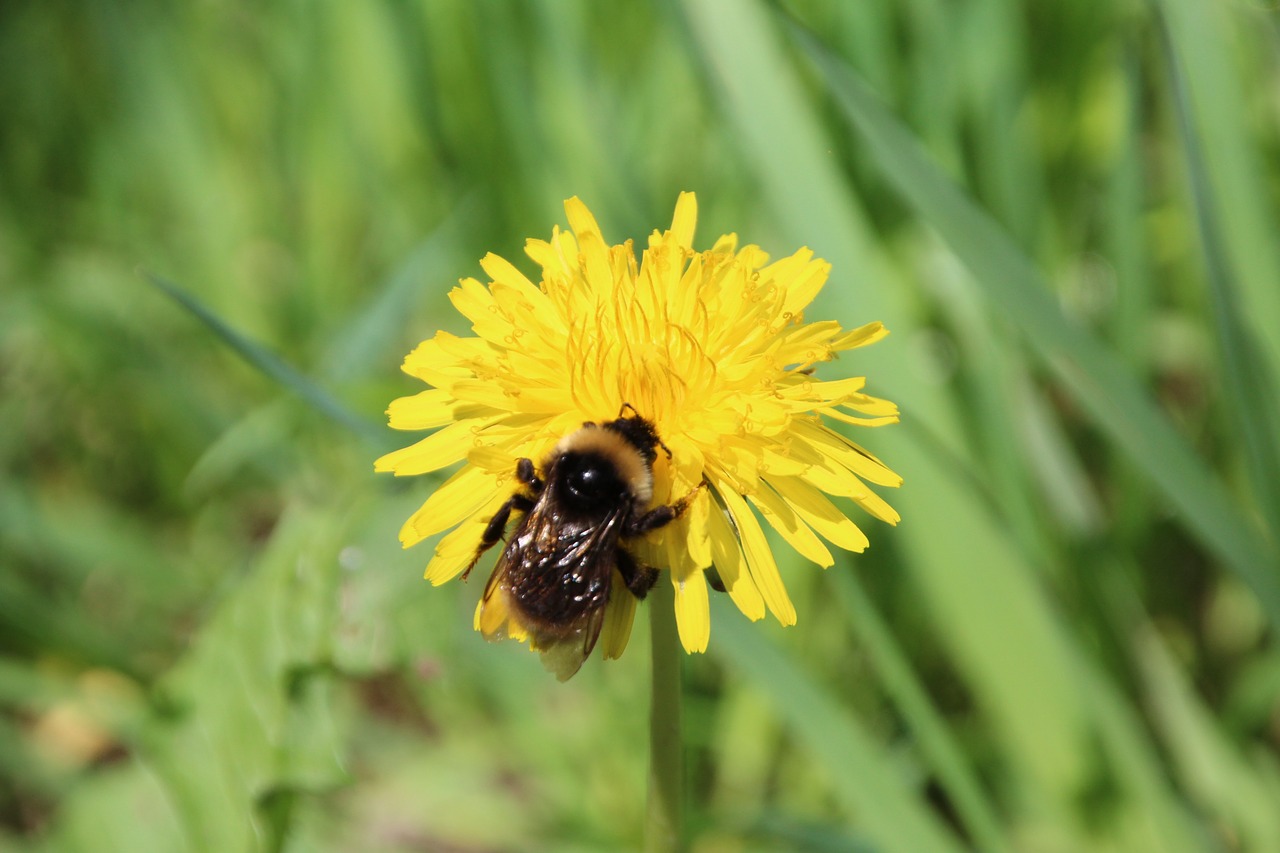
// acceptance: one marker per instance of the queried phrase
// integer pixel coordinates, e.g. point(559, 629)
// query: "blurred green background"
point(210, 638)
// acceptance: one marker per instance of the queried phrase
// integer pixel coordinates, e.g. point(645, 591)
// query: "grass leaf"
point(863, 778)
point(272, 365)
point(1100, 381)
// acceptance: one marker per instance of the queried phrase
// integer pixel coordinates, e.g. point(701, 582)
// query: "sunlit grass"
point(211, 639)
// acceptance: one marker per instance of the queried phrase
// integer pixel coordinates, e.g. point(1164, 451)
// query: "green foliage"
point(209, 637)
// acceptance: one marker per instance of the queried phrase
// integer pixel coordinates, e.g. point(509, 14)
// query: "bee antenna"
point(626, 406)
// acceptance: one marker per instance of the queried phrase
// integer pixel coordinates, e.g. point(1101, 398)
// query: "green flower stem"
point(664, 822)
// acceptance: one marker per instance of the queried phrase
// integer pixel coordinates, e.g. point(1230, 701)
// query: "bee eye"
point(588, 479)
point(585, 482)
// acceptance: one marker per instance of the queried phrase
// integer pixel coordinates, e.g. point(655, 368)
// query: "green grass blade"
point(1099, 380)
point(1218, 778)
point(272, 365)
point(359, 346)
point(1023, 691)
point(1249, 385)
point(1233, 194)
point(862, 776)
point(936, 744)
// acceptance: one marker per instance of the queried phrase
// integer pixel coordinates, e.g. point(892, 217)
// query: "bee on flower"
point(628, 423)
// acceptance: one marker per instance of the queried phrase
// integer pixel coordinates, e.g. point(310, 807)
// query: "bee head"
point(589, 481)
point(599, 465)
point(639, 433)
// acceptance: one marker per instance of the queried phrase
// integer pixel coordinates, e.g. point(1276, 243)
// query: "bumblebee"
point(556, 571)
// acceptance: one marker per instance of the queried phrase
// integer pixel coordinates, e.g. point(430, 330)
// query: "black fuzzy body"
point(557, 569)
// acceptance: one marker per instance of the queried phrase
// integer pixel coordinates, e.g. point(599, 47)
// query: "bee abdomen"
point(560, 599)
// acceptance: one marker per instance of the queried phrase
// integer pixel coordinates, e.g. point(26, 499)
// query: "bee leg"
point(525, 474)
point(639, 579)
point(496, 526)
point(661, 516)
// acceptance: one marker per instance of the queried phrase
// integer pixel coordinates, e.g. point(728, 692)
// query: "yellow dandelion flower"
point(710, 349)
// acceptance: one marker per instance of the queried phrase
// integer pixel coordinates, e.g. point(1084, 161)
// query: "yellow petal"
point(727, 556)
point(802, 286)
point(868, 405)
point(618, 619)
point(438, 450)
point(878, 507)
point(784, 520)
point(456, 550)
point(595, 254)
point(491, 614)
point(699, 538)
point(835, 479)
point(501, 270)
point(774, 461)
point(752, 257)
point(498, 461)
point(685, 220)
point(429, 363)
point(474, 301)
point(805, 345)
point(468, 351)
point(545, 255)
point(693, 612)
point(727, 244)
point(674, 542)
point(760, 562)
point(461, 496)
point(860, 337)
point(819, 513)
point(484, 392)
point(838, 415)
point(425, 410)
point(784, 270)
point(831, 444)
point(831, 392)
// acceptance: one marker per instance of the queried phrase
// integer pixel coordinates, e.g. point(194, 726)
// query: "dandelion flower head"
point(711, 347)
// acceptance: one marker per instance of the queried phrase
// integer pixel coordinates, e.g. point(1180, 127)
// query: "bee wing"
point(568, 568)
point(564, 656)
point(562, 653)
point(582, 560)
